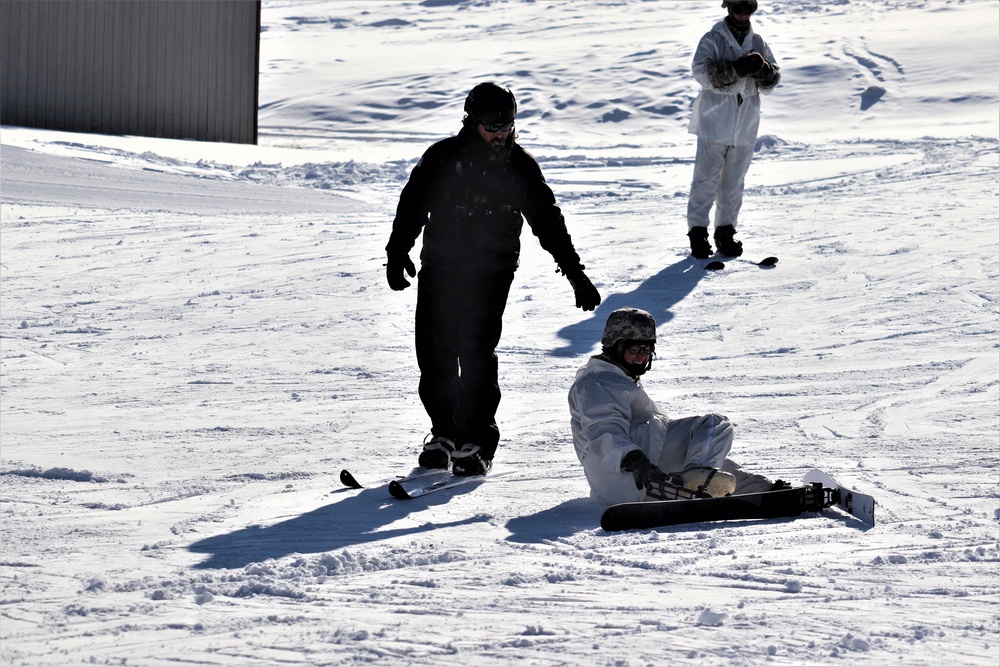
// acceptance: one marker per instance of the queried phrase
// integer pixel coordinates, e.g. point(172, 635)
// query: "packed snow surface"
point(197, 338)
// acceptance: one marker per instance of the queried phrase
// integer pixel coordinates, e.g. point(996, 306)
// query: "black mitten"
point(749, 64)
point(721, 73)
point(768, 76)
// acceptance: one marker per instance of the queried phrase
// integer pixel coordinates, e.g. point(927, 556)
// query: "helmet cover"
point(628, 325)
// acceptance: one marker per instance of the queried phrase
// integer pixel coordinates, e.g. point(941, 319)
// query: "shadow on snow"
point(349, 522)
point(657, 295)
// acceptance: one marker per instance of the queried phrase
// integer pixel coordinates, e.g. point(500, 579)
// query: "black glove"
point(765, 72)
point(749, 64)
point(768, 76)
point(587, 296)
point(394, 269)
point(646, 475)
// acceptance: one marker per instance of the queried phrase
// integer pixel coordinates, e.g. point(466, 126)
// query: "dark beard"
point(501, 150)
point(497, 150)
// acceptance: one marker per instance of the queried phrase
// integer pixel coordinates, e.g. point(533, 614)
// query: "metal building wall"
point(160, 68)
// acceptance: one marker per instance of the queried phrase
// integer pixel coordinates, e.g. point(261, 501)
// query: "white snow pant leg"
point(730, 197)
point(696, 441)
point(708, 160)
point(746, 482)
point(719, 174)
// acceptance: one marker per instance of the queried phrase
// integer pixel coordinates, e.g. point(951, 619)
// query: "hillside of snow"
point(195, 339)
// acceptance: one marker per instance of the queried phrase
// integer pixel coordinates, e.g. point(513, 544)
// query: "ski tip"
point(397, 491)
point(715, 265)
point(768, 261)
point(347, 479)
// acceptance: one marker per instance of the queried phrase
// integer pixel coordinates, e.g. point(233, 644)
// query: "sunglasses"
point(497, 127)
point(639, 349)
point(743, 8)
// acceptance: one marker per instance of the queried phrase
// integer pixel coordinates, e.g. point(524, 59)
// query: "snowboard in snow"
point(765, 505)
point(854, 503)
point(820, 491)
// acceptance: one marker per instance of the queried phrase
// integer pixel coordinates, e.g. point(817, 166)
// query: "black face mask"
point(635, 370)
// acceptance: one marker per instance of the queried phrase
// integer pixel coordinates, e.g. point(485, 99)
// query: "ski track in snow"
point(193, 348)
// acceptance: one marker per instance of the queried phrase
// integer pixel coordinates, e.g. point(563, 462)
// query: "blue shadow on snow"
point(657, 295)
point(338, 525)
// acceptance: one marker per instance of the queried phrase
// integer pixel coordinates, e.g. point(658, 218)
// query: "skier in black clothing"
point(470, 194)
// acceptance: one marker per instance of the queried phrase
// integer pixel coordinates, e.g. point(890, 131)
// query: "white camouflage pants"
point(704, 440)
point(719, 172)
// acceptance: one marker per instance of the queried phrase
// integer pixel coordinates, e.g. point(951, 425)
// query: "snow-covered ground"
point(197, 338)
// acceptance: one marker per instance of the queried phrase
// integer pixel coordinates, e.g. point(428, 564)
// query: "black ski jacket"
point(471, 206)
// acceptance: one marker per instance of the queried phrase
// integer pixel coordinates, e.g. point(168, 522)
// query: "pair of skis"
point(767, 262)
point(414, 485)
point(820, 491)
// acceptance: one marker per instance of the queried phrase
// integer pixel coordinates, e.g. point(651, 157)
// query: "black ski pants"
point(458, 324)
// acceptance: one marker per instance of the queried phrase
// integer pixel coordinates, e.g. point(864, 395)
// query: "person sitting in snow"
point(734, 66)
point(630, 449)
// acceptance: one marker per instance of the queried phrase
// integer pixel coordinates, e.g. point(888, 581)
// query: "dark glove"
point(749, 64)
point(721, 74)
point(394, 269)
point(587, 296)
point(646, 475)
point(768, 76)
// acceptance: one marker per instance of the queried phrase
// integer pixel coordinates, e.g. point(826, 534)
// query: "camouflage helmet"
point(627, 325)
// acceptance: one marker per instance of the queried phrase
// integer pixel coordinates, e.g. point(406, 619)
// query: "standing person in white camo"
point(734, 66)
point(630, 449)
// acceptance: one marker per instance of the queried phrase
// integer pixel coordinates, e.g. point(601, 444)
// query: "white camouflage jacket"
point(728, 115)
point(611, 415)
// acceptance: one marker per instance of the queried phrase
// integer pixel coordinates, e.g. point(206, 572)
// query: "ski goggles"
point(497, 127)
point(747, 8)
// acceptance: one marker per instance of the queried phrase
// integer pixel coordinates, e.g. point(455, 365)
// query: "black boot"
point(700, 247)
point(469, 461)
point(727, 244)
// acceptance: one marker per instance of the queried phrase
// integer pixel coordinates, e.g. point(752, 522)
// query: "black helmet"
point(491, 103)
point(751, 5)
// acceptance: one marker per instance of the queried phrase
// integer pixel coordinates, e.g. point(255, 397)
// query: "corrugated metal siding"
point(160, 68)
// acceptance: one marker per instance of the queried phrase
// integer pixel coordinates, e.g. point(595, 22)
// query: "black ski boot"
point(469, 461)
point(700, 247)
point(727, 244)
point(437, 452)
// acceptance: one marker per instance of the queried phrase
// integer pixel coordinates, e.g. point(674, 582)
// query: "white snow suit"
point(612, 415)
point(725, 118)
